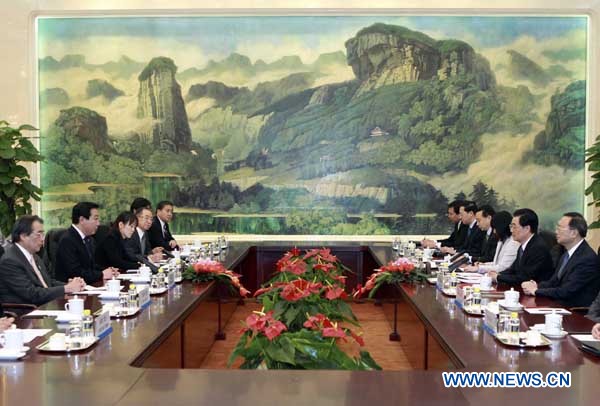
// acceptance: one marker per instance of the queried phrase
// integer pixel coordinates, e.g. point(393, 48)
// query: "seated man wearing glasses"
point(138, 246)
point(23, 277)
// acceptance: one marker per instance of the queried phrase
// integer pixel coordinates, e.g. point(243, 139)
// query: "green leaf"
point(9, 190)
point(18, 172)
point(367, 361)
point(5, 180)
point(281, 350)
point(27, 127)
point(7, 153)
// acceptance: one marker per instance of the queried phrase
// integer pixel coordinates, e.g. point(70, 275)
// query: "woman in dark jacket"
point(110, 252)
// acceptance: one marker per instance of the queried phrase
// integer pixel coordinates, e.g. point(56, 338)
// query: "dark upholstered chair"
point(48, 253)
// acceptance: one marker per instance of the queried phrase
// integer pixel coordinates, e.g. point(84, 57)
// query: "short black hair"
point(24, 225)
point(140, 202)
point(161, 205)
point(501, 224)
point(577, 222)
point(469, 206)
point(139, 210)
point(125, 217)
point(487, 210)
point(82, 209)
point(527, 217)
point(455, 205)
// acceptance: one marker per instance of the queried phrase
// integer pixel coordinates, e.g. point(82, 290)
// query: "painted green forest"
point(368, 126)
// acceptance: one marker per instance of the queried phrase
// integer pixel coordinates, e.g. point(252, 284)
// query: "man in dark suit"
point(75, 254)
point(23, 277)
point(474, 239)
point(138, 245)
point(160, 235)
point(576, 281)
point(458, 234)
point(484, 222)
point(533, 261)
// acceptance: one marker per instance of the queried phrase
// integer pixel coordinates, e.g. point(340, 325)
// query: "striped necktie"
point(37, 272)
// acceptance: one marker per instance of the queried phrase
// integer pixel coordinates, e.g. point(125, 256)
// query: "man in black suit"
point(458, 234)
point(484, 222)
point(474, 236)
point(576, 281)
point(139, 244)
point(23, 277)
point(160, 235)
point(75, 254)
point(533, 261)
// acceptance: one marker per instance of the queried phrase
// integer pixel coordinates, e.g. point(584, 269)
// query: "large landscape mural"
point(312, 124)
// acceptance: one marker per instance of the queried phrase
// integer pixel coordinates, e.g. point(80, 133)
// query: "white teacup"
point(144, 271)
point(428, 253)
point(553, 323)
point(12, 339)
point(533, 337)
point(486, 282)
point(511, 297)
point(75, 306)
point(57, 341)
point(113, 285)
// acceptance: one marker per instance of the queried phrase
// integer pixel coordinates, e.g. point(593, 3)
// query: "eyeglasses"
point(511, 226)
point(40, 233)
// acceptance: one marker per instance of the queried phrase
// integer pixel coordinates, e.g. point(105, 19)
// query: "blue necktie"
point(563, 263)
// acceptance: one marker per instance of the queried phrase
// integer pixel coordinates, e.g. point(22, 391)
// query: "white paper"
point(31, 333)
point(93, 288)
point(584, 337)
point(547, 310)
point(45, 313)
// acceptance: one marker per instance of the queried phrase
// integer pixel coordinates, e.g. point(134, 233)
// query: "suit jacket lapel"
point(572, 261)
point(30, 272)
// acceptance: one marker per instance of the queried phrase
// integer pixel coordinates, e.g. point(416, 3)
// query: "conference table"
point(154, 358)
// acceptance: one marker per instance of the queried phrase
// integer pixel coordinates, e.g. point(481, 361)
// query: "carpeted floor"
point(388, 354)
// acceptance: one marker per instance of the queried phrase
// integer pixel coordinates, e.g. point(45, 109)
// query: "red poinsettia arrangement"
point(395, 272)
point(207, 270)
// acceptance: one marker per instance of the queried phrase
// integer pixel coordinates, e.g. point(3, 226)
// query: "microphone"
point(453, 266)
point(457, 255)
point(146, 262)
point(168, 254)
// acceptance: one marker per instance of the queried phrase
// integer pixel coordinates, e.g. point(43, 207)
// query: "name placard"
point(144, 296)
point(102, 326)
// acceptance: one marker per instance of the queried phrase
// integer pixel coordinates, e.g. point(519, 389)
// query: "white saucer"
point(540, 328)
point(514, 308)
point(10, 355)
